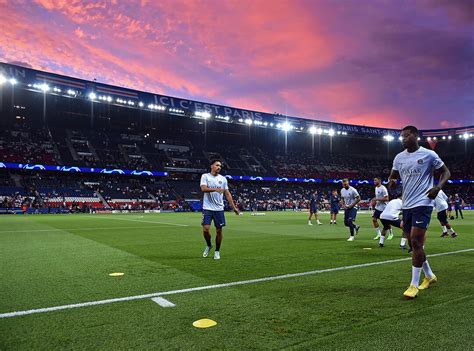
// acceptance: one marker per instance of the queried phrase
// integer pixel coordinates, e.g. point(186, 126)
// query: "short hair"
point(379, 178)
point(411, 129)
point(214, 160)
point(345, 180)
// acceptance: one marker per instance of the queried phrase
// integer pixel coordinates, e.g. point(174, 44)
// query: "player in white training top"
point(379, 202)
point(350, 198)
point(214, 186)
point(441, 207)
point(415, 167)
point(390, 218)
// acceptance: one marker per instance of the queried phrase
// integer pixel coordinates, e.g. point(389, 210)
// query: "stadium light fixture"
point(465, 136)
point(92, 96)
point(418, 138)
point(271, 124)
point(44, 87)
point(2, 79)
point(312, 130)
point(286, 127)
point(320, 131)
point(241, 120)
point(388, 137)
point(141, 104)
point(435, 138)
point(428, 138)
point(331, 132)
point(449, 137)
point(248, 121)
point(13, 81)
point(71, 92)
point(400, 138)
point(109, 99)
point(444, 138)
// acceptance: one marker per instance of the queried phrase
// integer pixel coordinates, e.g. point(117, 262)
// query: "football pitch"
point(54, 274)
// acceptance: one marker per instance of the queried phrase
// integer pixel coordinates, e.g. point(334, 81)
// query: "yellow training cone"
point(116, 274)
point(204, 323)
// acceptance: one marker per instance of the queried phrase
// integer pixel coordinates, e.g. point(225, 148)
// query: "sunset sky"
point(382, 63)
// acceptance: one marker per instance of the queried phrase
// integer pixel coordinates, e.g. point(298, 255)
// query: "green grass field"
point(55, 260)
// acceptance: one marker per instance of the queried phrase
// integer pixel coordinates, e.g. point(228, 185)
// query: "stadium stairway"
point(102, 199)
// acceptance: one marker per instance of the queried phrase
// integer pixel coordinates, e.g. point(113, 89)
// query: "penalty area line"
point(217, 286)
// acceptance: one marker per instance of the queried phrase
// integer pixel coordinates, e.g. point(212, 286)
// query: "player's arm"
point(228, 196)
point(445, 174)
point(392, 179)
point(206, 189)
point(357, 200)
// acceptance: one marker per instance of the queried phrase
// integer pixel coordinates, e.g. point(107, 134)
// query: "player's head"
point(377, 181)
point(409, 136)
point(456, 195)
point(345, 183)
point(334, 191)
point(216, 166)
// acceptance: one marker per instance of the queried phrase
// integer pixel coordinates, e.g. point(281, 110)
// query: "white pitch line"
point(138, 220)
point(215, 286)
point(163, 302)
point(71, 229)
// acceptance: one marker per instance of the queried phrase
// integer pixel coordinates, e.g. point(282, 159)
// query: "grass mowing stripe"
point(138, 220)
point(216, 286)
point(75, 229)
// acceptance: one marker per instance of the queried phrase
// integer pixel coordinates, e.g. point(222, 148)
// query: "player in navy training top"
point(313, 207)
point(335, 201)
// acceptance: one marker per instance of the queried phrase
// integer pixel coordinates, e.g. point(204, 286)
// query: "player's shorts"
point(387, 223)
point(350, 214)
point(217, 216)
point(442, 216)
point(313, 209)
point(334, 209)
point(417, 217)
point(377, 214)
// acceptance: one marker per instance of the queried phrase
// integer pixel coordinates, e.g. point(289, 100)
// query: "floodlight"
point(286, 127)
point(92, 96)
point(312, 130)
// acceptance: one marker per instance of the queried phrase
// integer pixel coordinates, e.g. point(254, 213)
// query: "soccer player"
point(214, 186)
point(380, 201)
point(390, 217)
point(350, 198)
point(313, 208)
point(458, 204)
point(441, 206)
point(335, 201)
point(415, 167)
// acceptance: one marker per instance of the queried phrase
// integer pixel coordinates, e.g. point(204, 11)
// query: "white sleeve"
point(437, 163)
point(356, 193)
point(226, 185)
point(204, 179)
point(384, 191)
point(395, 165)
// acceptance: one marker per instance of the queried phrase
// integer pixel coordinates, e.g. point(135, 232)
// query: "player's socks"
point(427, 270)
point(208, 240)
point(377, 231)
point(390, 234)
point(357, 227)
point(382, 239)
point(415, 276)
point(403, 242)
